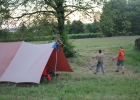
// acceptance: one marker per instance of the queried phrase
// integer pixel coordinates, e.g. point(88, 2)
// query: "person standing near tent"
point(100, 57)
point(59, 42)
point(120, 59)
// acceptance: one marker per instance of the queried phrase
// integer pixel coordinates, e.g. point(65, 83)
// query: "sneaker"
point(123, 72)
point(117, 71)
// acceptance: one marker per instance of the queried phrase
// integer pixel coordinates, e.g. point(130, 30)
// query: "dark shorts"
point(120, 62)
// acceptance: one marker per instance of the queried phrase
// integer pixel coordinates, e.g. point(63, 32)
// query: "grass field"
point(82, 84)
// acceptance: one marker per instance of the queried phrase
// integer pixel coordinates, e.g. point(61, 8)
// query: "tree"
point(67, 26)
point(126, 27)
point(106, 22)
point(89, 28)
point(4, 11)
point(96, 27)
point(4, 35)
point(134, 18)
point(56, 10)
point(22, 31)
point(121, 16)
point(76, 27)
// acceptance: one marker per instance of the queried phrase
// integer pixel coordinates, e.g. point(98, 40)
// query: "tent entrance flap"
point(62, 63)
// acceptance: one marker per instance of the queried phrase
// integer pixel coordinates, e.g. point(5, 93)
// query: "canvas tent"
point(24, 62)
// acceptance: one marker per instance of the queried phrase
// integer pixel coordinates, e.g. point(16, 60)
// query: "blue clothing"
point(100, 64)
point(56, 46)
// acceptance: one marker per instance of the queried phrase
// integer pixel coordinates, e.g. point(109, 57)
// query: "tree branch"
point(51, 3)
point(25, 14)
point(76, 8)
point(70, 12)
point(83, 7)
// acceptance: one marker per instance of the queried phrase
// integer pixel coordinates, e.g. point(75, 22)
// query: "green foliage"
point(133, 59)
point(5, 35)
point(40, 31)
point(29, 36)
point(79, 89)
point(120, 17)
point(97, 27)
point(89, 28)
point(85, 35)
point(67, 26)
point(53, 10)
point(68, 48)
point(107, 23)
point(76, 27)
point(4, 11)
point(137, 69)
point(134, 16)
point(137, 44)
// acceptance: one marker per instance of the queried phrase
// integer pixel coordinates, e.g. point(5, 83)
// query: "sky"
point(72, 17)
point(87, 19)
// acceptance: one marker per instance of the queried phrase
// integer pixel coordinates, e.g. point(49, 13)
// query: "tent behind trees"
point(22, 62)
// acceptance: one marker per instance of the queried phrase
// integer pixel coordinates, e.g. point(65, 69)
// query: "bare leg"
point(123, 68)
point(118, 68)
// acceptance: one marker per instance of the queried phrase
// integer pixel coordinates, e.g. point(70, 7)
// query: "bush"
point(84, 35)
point(137, 44)
point(68, 48)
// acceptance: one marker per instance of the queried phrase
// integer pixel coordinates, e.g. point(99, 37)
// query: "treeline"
point(48, 31)
point(118, 18)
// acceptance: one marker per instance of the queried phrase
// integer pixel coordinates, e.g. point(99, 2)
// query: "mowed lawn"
point(82, 84)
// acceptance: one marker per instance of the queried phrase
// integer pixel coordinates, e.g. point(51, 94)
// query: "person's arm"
point(95, 57)
point(124, 52)
point(105, 53)
point(115, 57)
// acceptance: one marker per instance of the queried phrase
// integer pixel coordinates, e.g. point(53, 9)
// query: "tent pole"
point(55, 64)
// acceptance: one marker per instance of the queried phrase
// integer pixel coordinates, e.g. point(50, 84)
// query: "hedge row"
point(88, 35)
point(44, 38)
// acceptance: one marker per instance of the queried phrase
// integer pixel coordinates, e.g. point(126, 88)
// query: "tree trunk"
point(61, 19)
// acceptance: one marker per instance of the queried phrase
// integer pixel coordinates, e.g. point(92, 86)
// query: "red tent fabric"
point(45, 74)
point(25, 62)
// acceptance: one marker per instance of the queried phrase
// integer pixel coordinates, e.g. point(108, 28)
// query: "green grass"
point(82, 84)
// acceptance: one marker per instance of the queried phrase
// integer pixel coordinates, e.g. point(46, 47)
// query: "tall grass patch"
point(97, 88)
